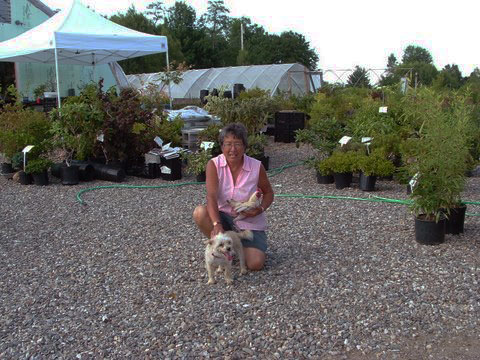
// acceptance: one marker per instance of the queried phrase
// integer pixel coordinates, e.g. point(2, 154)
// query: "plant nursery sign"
point(383, 109)
point(344, 140)
point(158, 140)
point(207, 145)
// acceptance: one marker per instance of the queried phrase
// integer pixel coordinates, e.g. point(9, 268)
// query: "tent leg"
point(169, 89)
point(58, 80)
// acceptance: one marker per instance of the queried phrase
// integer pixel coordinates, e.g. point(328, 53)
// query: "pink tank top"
point(247, 184)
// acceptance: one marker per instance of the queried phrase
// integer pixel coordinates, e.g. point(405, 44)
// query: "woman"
point(234, 175)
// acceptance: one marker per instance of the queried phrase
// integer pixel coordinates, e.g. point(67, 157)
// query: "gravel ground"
point(124, 276)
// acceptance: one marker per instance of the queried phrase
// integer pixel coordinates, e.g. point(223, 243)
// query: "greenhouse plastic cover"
point(293, 78)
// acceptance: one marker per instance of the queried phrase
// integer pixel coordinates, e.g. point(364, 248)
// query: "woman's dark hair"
point(238, 131)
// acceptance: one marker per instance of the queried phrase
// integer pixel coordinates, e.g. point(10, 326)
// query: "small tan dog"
point(220, 250)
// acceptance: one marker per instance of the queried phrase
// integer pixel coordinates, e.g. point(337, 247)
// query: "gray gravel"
point(124, 276)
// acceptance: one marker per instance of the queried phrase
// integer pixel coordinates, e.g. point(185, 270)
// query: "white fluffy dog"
point(220, 250)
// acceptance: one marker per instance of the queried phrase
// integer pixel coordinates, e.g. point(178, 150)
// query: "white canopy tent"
point(79, 36)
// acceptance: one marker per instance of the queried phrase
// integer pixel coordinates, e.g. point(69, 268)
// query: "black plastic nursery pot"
point(367, 182)
point(86, 171)
point(70, 175)
point(342, 180)
point(265, 162)
point(109, 172)
point(25, 179)
point(6, 168)
point(41, 178)
point(171, 169)
point(325, 179)
point(429, 232)
point(202, 177)
point(456, 220)
point(153, 171)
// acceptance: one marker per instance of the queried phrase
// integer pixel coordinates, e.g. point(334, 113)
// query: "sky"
point(346, 33)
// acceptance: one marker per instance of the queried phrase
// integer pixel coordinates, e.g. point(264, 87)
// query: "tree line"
point(417, 66)
point(212, 39)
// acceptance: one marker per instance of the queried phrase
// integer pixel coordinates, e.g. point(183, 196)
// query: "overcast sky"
point(346, 33)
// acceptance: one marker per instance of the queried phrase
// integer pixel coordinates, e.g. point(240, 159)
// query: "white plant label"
point(101, 137)
point(413, 181)
point(344, 140)
point(28, 148)
point(383, 109)
point(166, 147)
point(366, 140)
point(158, 140)
point(166, 170)
point(207, 145)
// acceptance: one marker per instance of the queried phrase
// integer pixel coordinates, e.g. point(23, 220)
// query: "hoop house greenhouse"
point(291, 78)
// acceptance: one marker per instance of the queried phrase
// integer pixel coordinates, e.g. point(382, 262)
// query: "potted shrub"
point(256, 149)
point(38, 169)
point(38, 92)
point(370, 167)
point(197, 163)
point(323, 171)
point(342, 165)
point(74, 129)
point(439, 160)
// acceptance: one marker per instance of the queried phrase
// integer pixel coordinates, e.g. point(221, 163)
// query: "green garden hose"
point(271, 173)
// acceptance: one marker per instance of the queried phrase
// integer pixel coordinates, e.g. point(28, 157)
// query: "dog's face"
point(221, 245)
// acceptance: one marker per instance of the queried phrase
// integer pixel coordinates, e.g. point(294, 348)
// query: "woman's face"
point(233, 148)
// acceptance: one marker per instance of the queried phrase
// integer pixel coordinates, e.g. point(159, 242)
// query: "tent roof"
point(82, 37)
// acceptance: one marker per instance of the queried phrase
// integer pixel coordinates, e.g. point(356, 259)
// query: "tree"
point(359, 78)
point(217, 18)
point(156, 11)
point(151, 63)
point(416, 54)
point(450, 77)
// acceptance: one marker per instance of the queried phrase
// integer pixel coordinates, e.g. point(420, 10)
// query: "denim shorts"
point(259, 237)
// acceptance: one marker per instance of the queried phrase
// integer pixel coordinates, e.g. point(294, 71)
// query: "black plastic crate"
point(175, 169)
point(286, 122)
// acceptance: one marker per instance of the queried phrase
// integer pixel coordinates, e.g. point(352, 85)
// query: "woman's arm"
point(212, 198)
point(267, 191)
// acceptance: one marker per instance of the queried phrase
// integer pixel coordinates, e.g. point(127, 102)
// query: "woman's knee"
point(200, 213)
point(255, 260)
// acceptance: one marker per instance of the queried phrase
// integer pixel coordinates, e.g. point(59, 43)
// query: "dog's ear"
point(208, 241)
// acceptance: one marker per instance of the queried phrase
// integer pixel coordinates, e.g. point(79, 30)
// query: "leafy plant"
point(36, 166)
point(375, 165)
point(210, 134)
point(340, 162)
point(75, 128)
point(323, 167)
point(197, 161)
point(256, 146)
point(439, 157)
point(39, 90)
point(20, 127)
point(321, 134)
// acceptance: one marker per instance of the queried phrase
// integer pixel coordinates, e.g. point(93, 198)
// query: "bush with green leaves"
point(375, 164)
point(340, 162)
point(210, 134)
point(21, 127)
point(197, 161)
point(75, 128)
point(439, 156)
point(321, 134)
point(256, 146)
point(39, 165)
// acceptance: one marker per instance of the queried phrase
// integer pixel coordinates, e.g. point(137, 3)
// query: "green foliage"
point(153, 97)
point(251, 111)
point(39, 90)
point(439, 156)
point(36, 166)
point(340, 162)
point(197, 161)
point(375, 164)
point(17, 160)
point(256, 146)
point(75, 128)
point(359, 78)
point(323, 166)
point(210, 134)
point(168, 131)
point(413, 53)
point(321, 134)
point(20, 127)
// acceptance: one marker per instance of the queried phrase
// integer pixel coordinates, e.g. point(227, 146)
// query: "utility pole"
point(241, 36)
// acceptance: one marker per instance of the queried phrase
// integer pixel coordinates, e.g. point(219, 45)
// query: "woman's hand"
point(217, 229)
point(252, 212)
